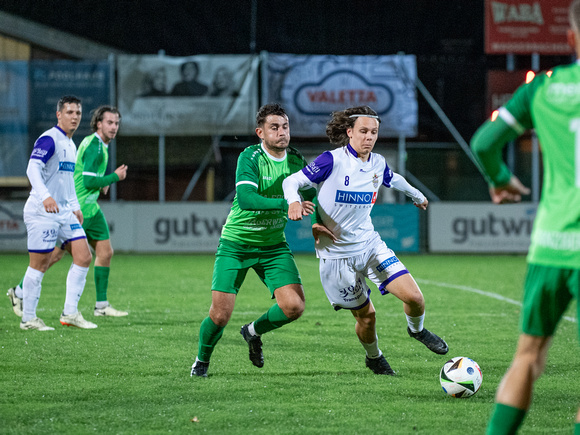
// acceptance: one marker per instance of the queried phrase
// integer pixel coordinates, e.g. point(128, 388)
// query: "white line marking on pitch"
point(480, 292)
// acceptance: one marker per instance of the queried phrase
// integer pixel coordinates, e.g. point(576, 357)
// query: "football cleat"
point(35, 323)
point(431, 341)
point(76, 320)
point(109, 311)
point(255, 345)
point(199, 368)
point(379, 366)
point(16, 301)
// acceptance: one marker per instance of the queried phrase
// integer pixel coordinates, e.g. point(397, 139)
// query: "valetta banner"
point(188, 96)
point(526, 27)
point(311, 87)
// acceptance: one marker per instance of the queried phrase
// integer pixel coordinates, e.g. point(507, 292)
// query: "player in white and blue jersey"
point(52, 213)
point(347, 180)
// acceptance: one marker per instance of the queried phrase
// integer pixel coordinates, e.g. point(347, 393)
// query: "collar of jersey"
point(101, 140)
point(354, 153)
point(276, 159)
point(60, 129)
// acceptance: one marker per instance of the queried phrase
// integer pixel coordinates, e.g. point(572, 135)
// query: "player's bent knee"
point(293, 312)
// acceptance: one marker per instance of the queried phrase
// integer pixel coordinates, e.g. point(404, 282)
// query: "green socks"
point(209, 335)
point(274, 318)
point(577, 429)
point(505, 420)
point(101, 282)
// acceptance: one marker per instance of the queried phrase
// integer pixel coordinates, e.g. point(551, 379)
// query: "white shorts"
point(44, 230)
point(343, 279)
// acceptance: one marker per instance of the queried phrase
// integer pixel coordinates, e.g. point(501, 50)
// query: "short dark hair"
point(267, 110)
point(70, 99)
point(99, 114)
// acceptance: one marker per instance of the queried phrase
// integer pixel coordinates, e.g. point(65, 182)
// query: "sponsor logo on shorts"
point(388, 262)
point(352, 292)
point(75, 226)
point(49, 236)
point(66, 166)
point(346, 197)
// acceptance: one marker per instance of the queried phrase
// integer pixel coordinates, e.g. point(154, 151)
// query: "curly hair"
point(345, 119)
point(99, 114)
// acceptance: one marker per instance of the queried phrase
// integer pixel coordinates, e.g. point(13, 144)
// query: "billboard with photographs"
point(188, 96)
point(526, 26)
point(311, 87)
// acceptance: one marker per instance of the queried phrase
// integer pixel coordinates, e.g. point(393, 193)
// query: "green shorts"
point(274, 265)
point(547, 293)
point(96, 227)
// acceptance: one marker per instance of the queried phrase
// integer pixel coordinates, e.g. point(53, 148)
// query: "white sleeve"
point(34, 173)
point(398, 182)
point(291, 185)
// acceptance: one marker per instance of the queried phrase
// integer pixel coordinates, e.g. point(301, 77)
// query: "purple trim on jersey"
point(43, 149)
point(390, 279)
point(320, 169)
point(354, 153)
point(351, 150)
point(387, 176)
point(61, 130)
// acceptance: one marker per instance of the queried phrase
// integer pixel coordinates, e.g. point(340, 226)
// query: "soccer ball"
point(460, 377)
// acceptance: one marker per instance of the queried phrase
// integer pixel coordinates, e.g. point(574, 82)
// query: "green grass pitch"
point(131, 375)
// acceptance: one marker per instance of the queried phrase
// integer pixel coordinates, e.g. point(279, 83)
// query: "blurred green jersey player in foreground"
point(551, 105)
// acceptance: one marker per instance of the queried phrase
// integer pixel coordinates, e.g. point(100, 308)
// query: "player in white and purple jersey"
point(347, 180)
point(52, 213)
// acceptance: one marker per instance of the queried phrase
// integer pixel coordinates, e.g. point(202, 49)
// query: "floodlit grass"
point(131, 375)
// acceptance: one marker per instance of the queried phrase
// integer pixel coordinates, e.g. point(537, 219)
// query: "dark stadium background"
point(446, 37)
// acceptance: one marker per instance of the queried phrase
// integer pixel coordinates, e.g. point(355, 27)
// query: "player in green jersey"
point(253, 237)
point(90, 181)
point(550, 104)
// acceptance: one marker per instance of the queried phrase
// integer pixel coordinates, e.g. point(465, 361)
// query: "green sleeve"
point(489, 140)
point(92, 182)
point(92, 160)
point(487, 145)
point(247, 180)
point(250, 199)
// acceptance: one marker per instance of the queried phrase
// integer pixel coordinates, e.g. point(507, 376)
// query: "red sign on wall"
point(526, 26)
point(500, 87)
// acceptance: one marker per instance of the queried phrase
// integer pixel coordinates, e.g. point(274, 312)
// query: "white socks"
point(415, 323)
point(251, 329)
point(75, 284)
point(31, 293)
point(372, 349)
